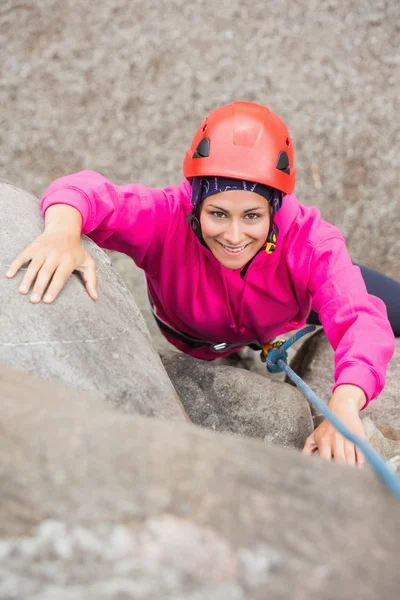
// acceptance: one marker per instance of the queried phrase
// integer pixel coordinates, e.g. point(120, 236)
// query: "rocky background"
point(119, 87)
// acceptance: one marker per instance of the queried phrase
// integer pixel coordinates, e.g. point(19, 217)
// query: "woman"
point(231, 258)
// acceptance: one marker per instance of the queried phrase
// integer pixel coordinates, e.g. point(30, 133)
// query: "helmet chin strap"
point(195, 225)
point(270, 245)
point(272, 237)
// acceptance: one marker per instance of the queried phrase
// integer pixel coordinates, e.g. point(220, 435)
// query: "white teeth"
point(234, 249)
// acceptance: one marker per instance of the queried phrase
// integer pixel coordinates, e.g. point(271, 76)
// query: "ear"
point(195, 223)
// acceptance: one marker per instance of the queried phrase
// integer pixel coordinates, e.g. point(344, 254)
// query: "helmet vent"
point(203, 149)
point(288, 142)
point(283, 163)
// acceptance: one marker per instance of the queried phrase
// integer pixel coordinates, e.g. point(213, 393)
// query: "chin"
point(233, 264)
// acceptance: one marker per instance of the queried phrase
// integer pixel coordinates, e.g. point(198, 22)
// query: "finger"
point(21, 259)
point(30, 274)
point(90, 278)
point(310, 446)
point(60, 278)
point(339, 454)
point(42, 280)
point(360, 458)
point(350, 452)
point(325, 449)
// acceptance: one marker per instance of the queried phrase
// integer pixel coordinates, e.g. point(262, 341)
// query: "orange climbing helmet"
point(243, 140)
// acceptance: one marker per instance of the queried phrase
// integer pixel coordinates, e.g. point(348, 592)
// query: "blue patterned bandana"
point(214, 185)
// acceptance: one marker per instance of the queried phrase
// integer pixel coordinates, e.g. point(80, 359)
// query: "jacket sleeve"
point(354, 321)
point(132, 218)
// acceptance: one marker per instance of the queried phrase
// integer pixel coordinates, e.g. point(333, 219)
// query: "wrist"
point(63, 219)
point(348, 396)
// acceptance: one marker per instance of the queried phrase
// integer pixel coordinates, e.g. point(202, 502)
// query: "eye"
point(252, 216)
point(218, 214)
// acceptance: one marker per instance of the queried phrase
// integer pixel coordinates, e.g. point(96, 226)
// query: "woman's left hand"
point(346, 402)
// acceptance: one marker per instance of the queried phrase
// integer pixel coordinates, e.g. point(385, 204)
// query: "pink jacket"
point(195, 294)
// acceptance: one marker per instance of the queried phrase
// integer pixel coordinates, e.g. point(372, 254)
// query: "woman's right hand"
point(52, 257)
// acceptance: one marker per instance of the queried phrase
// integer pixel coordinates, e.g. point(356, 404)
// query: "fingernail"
point(48, 298)
point(23, 289)
point(9, 273)
point(35, 298)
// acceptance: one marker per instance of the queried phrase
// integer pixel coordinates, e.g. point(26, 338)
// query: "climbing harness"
point(266, 348)
point(276, 362)
point(217, 347)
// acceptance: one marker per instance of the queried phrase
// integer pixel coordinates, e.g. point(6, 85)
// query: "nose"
point(234, 233)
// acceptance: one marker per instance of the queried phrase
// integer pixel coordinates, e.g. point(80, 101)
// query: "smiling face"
point(235, 225)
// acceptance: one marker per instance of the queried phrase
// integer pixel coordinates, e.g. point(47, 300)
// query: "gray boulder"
point(392, 433)
point(387, 448)
point(102, 347)
point(314, 363)
point(226, 398)
point(100, 505)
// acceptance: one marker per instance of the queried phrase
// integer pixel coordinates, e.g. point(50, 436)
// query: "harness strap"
point(217, 347)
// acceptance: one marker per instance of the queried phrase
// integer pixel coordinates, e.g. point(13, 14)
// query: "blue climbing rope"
point(276, 362)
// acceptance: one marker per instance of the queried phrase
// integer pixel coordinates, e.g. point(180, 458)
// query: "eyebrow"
point(245, 211)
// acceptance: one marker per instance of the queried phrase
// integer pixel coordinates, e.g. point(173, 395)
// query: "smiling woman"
point(258, 263)
point(236, 226)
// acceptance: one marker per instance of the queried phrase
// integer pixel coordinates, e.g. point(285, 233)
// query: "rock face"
point(391, 433)
point(101, 347)
point(314, 363)
point(230, 399)
point(386, 448)
point(104, 505)
point(100, 505)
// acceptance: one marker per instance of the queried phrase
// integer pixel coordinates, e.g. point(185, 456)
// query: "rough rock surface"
point(120, 88)
point(102, 347)
point(392, 433)
point(226, 398)
point(100, 505)
point(386, 447)
point(135, 282)
point(314, 363)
